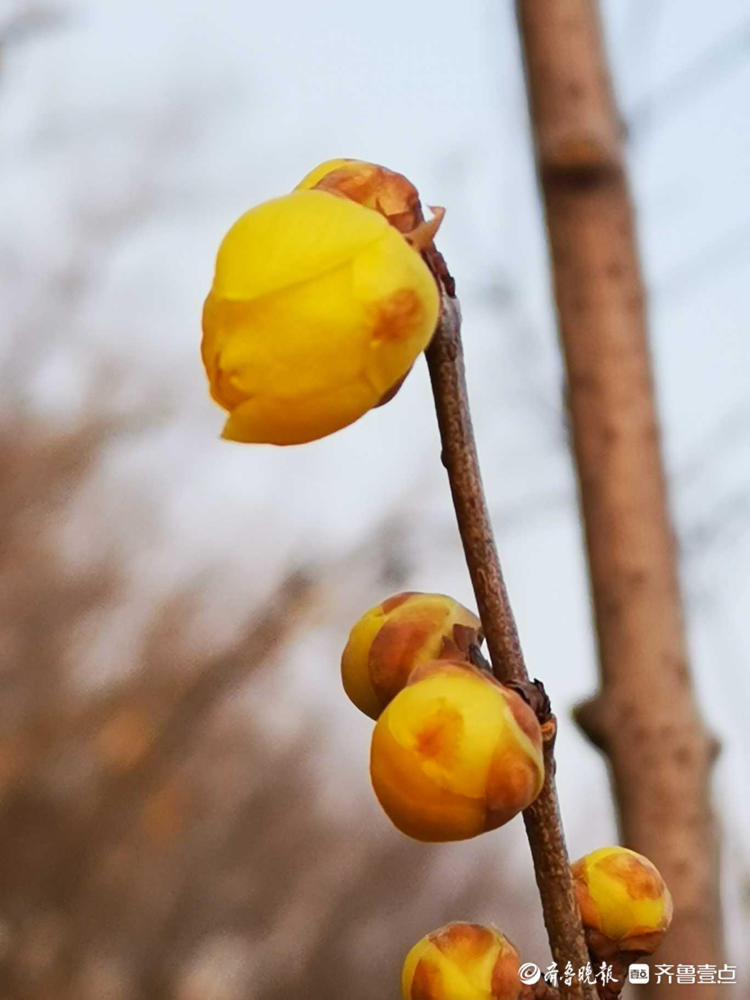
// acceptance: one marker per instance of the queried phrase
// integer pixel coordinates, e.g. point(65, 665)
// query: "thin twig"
point(459, 456)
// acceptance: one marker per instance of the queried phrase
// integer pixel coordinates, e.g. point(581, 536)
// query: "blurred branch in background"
point(645, 718)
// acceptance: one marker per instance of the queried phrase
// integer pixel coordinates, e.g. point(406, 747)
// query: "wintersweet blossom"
point(623, 899)
point(318, 309)
point(462, 962)
point(455, 753)
point(395, 636)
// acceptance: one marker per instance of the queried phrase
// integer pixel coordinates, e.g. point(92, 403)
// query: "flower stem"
point(459, 456)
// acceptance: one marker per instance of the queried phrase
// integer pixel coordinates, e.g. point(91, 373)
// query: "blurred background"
point(185, 809)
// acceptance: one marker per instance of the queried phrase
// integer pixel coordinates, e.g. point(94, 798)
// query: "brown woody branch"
point(645, 718)
point(541, 990)
point(459, 456)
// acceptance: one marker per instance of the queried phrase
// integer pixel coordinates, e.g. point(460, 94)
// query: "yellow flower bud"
point(318, 309)
point(455, 753)
point(462, 962)
point(622, 898)
point(395, 636)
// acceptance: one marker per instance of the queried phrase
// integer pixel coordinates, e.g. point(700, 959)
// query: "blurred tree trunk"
point(645, 718)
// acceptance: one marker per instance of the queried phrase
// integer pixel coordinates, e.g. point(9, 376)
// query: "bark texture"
point(542, 818)
point(645, 717)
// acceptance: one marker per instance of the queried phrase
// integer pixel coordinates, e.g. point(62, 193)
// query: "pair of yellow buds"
point(320, 304)
point(454, 753)
point(625, 907)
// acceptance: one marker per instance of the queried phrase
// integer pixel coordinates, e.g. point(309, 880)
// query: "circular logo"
point(529, 973)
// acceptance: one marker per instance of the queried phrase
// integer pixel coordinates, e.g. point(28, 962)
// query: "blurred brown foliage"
point(152, 843)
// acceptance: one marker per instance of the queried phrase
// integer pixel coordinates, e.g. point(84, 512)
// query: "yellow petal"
point(291, 239)
point(318, 309)
point(270, 420)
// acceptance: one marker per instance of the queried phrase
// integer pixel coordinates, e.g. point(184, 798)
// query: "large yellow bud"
point(395, 636)
point(462, 962)
point(625, 905)
point(318, 309)
point(455, 754)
